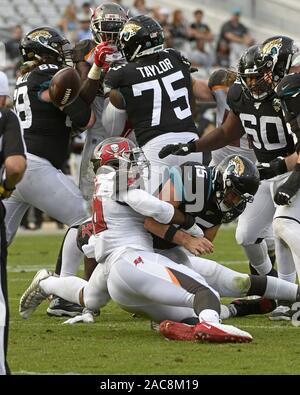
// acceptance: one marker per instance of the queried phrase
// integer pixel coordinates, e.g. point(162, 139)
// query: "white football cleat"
point(220, 333)
point(33, 296)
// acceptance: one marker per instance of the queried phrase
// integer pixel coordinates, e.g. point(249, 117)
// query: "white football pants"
point(48, 189)
point(254, 223)
point(158, 169)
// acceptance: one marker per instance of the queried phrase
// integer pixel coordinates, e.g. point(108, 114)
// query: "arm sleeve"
point(79, 112)
point(113, 119)
point(149, 206)
point(13, 142)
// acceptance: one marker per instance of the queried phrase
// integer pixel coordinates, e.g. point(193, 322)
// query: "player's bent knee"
point(279, 226)
point(243, 237)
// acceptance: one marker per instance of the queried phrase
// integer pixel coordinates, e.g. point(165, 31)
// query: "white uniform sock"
point(280, 289)
point(71, 255)
point(65, 287)
point(209, 315)
point(285, 261)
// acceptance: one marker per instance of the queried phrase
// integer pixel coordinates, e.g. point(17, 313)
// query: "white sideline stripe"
point(269, 327)
point(35, 268)
point(52, 373)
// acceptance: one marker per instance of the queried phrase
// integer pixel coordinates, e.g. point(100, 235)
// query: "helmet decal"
point(40, 36)
point(235, 166)
point(272, 47)
point(129, 30)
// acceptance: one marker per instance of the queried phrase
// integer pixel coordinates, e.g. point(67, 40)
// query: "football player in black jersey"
point(92, 59)
point(255, 109)
point(154, 88)
point(47, 135)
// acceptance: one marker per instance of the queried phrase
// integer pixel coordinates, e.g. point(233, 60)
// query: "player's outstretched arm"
point(230, 130)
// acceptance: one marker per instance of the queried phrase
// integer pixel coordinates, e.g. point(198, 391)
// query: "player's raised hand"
point(177, 149)
point(100, 53)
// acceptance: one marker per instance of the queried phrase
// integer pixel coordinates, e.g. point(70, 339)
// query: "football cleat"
point(33, 296)
point(281, 313)
point(177, 330)
point(204, 331)
point(220, 333)
point(60, 307)
point(253, 306)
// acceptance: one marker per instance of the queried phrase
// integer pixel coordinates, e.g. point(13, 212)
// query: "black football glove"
point(177, 149)
point(274, 168)
point(289, 189)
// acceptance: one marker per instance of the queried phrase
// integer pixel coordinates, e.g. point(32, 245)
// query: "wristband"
point(95, 73)
point(170, 233)
point(189, 221)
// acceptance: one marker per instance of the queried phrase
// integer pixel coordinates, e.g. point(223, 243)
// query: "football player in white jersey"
point(139, 280)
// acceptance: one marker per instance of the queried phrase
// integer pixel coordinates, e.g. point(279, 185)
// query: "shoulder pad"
point(289, 85)
point(178, 55)
point(235, 92)
point(44, 72)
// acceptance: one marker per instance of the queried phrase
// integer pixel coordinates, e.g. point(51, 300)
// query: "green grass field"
point(120, 344)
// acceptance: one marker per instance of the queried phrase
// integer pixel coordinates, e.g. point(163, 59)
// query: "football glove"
point(177, 149)
point(274, 168)
point(289, 189)
point(100, 53)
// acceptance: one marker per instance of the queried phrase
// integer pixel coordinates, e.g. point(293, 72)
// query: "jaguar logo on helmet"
point(235, 166)
point(272, 47)
point(129, 30)
point(41, 36)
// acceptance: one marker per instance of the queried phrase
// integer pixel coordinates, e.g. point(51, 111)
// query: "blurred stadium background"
point(262, 17)
point(198, 30)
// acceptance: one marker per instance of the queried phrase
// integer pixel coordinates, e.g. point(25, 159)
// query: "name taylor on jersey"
point(154, 70)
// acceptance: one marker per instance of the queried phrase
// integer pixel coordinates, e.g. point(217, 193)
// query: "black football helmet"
point(236, 181)
point(106, 22)
point(46, 42)
point(140, 36)
point(265, 65)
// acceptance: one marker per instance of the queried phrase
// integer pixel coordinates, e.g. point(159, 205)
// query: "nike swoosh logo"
point(207, 326)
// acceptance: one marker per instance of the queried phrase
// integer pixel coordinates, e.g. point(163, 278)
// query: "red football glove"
point(100, 53)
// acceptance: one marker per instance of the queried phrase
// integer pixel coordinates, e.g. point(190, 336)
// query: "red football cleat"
point(220, 333)
point(204, 331)
point(177, 330)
